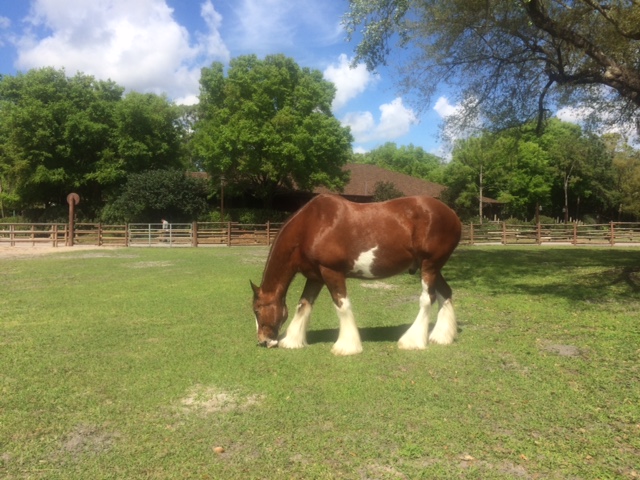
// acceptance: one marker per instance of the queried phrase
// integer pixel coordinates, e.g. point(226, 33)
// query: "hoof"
point(345, 350)
point(410, 345)
point(286, 342)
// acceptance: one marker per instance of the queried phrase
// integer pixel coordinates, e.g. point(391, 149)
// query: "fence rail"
point(237, 234)
point(613, 233)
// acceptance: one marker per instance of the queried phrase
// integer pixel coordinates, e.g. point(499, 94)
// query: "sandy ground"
point(32, 251)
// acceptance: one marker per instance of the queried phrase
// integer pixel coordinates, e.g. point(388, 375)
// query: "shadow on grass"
point(367, 334)
point(575, 273)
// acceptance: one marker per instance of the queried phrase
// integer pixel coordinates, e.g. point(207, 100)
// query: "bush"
point(156, 194)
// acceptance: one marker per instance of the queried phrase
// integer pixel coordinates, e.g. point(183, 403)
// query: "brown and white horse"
point(331, 239)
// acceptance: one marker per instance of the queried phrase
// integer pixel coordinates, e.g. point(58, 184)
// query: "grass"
point(137, 363)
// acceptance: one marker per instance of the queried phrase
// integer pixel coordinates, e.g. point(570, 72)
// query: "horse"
point(331, 239)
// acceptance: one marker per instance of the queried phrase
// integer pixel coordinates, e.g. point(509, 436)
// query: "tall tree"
point(268, 124)
point(60, 134)
point(510, 60)
point(626, 177)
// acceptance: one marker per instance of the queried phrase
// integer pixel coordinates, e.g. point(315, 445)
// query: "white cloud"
point(444, 108)
point(270, 26)
point(395, 121)
point(349, 82)
point(136, 43)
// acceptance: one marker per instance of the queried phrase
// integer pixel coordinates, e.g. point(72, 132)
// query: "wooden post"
point(73, 199)
point(612, 240)
point(504, 233)
point(12, 235)
point(100, 241)
point(575, 233)
point(194, 234)
point(538, 233)
point(471, 234)
point(228, 234)
point(126, 234)
point(55, 234)
point(268, 233)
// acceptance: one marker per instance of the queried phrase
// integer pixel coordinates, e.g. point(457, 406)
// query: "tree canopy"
point(60, 135)
point(566, 171)
point(510, 61)
point(407, 159)
point(267, 124)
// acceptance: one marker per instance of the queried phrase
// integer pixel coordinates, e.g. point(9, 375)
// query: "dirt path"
point(21, 251)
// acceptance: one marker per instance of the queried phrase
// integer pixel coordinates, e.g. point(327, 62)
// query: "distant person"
point(165, 229)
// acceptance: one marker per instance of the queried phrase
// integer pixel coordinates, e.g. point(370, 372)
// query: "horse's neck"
point(278, 272)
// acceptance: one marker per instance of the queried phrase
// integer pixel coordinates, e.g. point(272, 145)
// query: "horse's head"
point(271, 312)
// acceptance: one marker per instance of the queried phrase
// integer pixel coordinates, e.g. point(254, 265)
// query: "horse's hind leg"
point(446, 326)
point(296, 336)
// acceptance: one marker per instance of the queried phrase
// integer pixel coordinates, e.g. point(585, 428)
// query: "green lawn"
point(137, 363)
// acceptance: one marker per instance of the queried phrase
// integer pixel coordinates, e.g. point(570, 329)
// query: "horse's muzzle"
point(268, 343)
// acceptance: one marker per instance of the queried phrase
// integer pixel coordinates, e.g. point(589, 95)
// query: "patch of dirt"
point(155, 264)
point(377, 285)
point(28, 251)
point(561, 350)
point(87, 439)
point(206, 400)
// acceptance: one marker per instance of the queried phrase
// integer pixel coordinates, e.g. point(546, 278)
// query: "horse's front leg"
point(416, 338)
point(348, 342)
point(296, 335)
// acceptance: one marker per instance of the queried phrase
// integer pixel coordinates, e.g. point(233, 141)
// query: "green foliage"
point(407, 159)
point(248, 216)
point(385, 191)
point(156, 194)
point(509, 60)
point(60, 135)
point(562, 168)
point(268, 125)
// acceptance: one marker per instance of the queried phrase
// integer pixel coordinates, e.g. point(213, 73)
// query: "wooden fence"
point(613, 233)
point(236, 234)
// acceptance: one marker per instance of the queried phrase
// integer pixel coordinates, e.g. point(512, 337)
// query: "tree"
point(626, 177)
point(385, 191)
point(268, 124)
point(155, 194)
point(60, 134)
point(407, 159)
point(510, 60)
point(581, 165)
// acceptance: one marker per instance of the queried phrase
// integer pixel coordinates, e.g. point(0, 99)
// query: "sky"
point(159, 46)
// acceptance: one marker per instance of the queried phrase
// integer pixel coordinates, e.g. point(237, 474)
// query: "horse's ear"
point(255, 289)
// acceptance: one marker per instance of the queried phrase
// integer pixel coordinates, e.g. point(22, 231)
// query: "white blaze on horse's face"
point(270, 315)
point(364, 263)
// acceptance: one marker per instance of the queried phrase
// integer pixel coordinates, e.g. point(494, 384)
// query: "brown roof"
point(364, 178)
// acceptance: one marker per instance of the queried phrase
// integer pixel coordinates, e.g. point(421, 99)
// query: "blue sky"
point(160, 45)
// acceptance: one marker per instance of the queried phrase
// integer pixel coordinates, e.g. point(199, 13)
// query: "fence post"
point(54, 232)
point(194, 234)
point(100, 242)
point(126, 234)
point(228, 234)
point(504, 233)
point(268, 233)
point(612, 240)
point(538, 234)
point(575, 233)
point(471, 234)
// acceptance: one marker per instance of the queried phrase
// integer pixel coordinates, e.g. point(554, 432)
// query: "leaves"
point(509, 61)
point(268, 125)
